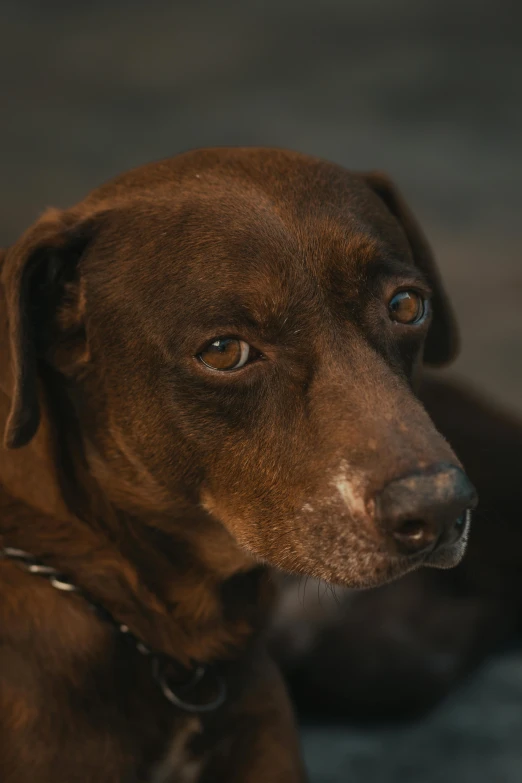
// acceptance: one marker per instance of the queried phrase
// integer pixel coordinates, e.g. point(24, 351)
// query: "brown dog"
point(431, 628)
point(209, 365)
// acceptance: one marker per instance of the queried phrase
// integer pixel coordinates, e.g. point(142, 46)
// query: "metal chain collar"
point(159, 663)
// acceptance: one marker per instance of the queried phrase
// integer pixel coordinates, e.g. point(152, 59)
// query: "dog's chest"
point(179, 764)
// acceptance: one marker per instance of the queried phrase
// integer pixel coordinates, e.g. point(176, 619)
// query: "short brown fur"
point(161, 488)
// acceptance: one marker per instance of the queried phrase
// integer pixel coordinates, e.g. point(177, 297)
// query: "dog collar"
point(163, 667)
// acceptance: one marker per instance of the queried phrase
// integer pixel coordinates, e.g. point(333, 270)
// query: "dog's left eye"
point(225, 354)
point(408, 307)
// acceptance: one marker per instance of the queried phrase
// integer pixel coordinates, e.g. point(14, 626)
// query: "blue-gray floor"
point(475, 737)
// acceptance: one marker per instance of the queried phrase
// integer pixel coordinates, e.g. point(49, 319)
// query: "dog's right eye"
point(226, 354)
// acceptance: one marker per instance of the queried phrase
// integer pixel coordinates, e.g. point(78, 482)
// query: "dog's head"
point(239, 331)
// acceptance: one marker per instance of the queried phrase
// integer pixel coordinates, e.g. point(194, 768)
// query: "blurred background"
point(430, 92)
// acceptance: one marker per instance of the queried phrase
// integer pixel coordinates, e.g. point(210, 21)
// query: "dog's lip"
point(450, 555)
point(445, 557)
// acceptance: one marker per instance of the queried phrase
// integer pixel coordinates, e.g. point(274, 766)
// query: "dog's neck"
point(189, 593)
point(174, 589)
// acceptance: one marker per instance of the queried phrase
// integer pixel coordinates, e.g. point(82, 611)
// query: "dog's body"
point(208, 366)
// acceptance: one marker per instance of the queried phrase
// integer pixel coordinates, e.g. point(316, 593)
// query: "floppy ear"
point(442, 342)
point(34, 275)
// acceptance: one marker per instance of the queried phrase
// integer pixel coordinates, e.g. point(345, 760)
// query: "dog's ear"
point(37, 273)
point(442, 342)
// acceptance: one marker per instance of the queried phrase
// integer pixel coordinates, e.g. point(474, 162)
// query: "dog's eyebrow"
point(263, 315)
point(394, 267)
point(225, 313)
point(228, 318)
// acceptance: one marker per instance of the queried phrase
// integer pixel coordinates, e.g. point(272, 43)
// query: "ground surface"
point(429, 91)
point(473, 738)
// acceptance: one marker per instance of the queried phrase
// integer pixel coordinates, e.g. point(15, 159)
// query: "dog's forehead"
point(258, 237)
point(258, 222)
point(253, 249)
point(235, 190)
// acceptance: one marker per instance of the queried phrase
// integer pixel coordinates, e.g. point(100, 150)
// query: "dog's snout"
point(426, 510)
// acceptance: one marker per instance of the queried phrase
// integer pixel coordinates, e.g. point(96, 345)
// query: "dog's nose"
point(425, 510)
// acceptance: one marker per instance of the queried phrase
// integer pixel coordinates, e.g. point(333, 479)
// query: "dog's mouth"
point(450, 555)
point(374, 568)
point(387, 567)
point(446, 554)
point(354, 553)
